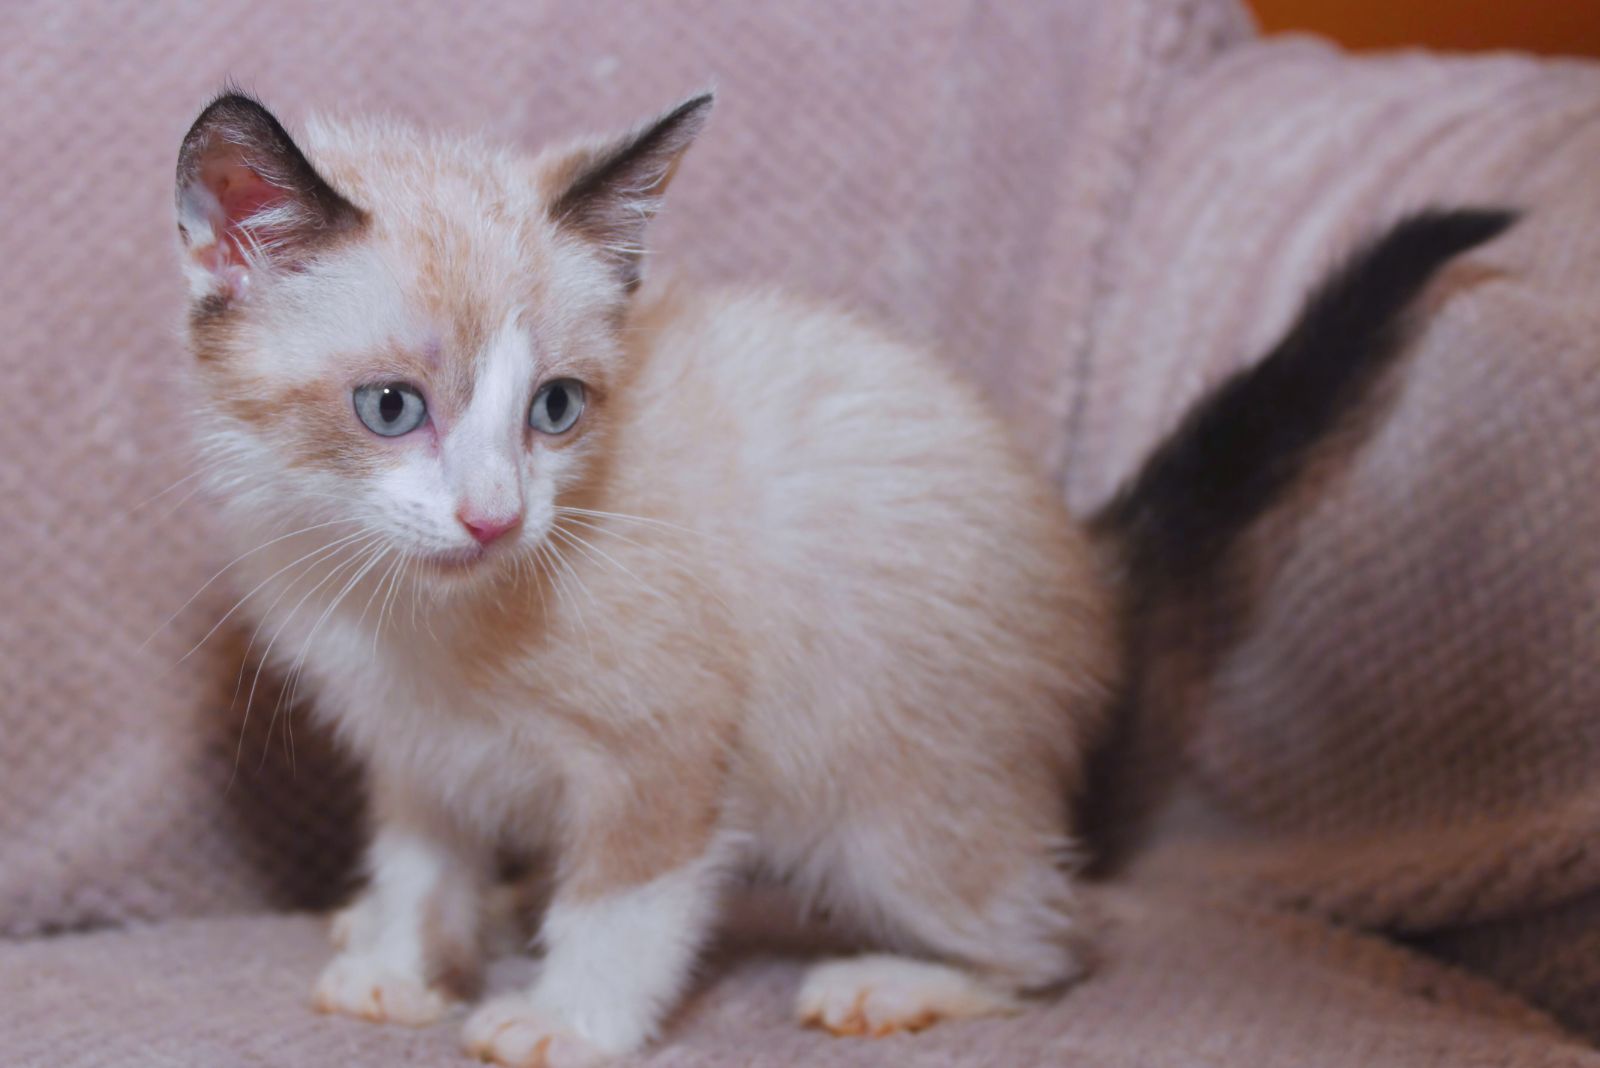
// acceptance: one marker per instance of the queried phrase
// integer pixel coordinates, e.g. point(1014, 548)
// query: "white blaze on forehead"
point(482, 448)
point(352, 303)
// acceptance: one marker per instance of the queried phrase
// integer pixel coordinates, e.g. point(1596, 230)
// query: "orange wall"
point(1570, 27)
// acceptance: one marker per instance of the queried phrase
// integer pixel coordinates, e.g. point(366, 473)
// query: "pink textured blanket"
point(1093, 209)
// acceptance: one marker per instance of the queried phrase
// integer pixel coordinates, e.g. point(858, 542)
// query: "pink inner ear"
point(240, 193)
point(238, 188)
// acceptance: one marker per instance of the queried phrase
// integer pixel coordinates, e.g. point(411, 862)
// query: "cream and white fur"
point(783, 600)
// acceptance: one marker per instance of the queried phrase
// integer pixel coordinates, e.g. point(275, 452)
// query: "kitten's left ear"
point(607, 192)
point(248, 199)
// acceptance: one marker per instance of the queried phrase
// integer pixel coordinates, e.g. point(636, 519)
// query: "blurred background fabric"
point(1374, 842)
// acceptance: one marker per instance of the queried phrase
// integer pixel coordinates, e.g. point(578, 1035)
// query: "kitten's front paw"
point(360, 986)
point(880, 995)
point(512, 1031)
point(351, 925)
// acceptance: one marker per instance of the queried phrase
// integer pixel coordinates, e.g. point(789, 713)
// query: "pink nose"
point(485, 529)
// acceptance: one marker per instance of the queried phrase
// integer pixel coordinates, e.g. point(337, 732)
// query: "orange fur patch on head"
point(314, 424)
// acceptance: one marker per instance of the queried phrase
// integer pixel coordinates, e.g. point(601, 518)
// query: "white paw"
point(360, 986)
point(880, 995)
point(352, 924)
point(513, 1031)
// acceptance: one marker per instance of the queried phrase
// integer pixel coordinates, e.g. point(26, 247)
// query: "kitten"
point(667, 584)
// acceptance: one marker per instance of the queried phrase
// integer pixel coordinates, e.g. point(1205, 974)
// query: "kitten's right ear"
point(607, 191)
point(248, 199)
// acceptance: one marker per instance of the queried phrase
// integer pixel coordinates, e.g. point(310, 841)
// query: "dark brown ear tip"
point(234, 104)
point(232, 107)
point(692, 113)
point(231, 96)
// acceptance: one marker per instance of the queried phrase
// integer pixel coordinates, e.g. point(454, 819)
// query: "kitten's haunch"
point(662, 583)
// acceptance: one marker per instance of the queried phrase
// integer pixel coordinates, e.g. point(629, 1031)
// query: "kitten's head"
point(409, 337)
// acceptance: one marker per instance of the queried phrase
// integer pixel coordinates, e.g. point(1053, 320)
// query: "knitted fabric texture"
point(1372, 838)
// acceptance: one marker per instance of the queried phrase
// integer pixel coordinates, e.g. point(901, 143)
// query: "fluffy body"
point(784, 599)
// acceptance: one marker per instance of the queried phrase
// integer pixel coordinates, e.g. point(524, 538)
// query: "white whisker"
point(148, 501)
point(244, 663)
point(377, 586)
point(588, 548)
point(538, 586)
point(291, 689)
point(267, 653)
point(605, 624)
point(548, 552)
point(235, 561)
point(673, 559)
point(568, 510)
point(388, 598)
point(240, 602)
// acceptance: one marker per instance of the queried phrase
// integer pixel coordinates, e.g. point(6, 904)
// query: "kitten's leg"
point(409, 945)
point(634, 899)
point(1000, 920)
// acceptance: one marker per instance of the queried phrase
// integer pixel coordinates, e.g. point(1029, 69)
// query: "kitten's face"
point(413, 341)
point(435, 379)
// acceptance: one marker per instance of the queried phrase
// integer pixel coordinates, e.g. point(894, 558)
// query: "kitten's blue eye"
point(390, 409)
point(557, 406)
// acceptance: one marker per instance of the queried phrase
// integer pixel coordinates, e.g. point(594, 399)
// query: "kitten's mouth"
point(457, 561)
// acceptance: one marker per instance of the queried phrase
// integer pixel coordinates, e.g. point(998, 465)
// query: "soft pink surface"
point(1095, 209)
point(1187, 983)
